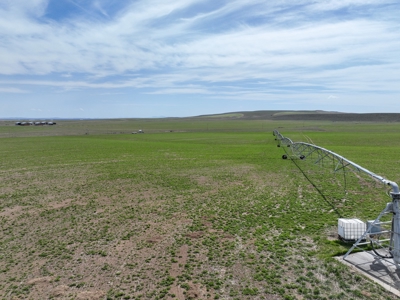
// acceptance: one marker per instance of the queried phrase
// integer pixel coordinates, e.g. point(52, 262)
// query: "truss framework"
point(386, 239)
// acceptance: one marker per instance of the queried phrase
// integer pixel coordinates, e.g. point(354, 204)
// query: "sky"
point(178, 58)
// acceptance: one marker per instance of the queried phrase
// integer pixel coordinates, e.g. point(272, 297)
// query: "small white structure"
point(374, 228)
point(351, 229)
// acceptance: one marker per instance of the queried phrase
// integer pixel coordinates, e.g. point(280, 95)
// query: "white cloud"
point(180, 91)
point(174, 47)
point(98, 5)
point(338, 4)
point(11, 90)
point(35, 8)
point(130, 44)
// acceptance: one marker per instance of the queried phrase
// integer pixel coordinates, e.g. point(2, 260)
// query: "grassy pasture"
point(126, 126)
point(207, 211)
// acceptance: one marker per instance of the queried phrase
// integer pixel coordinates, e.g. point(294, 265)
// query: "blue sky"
point(162, 58)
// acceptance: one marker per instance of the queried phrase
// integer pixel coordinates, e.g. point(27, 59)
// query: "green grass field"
point(192, 209)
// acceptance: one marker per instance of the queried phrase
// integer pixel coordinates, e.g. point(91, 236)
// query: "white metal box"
point(374, 229)
point(351, 229)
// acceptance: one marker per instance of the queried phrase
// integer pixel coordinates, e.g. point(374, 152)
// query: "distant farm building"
point(139, 131)
point(34, 123)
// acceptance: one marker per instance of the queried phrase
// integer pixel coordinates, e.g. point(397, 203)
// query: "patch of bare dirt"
point(202, 180)
point(40, 280)
point(176, 270)
point(195, 234)
point(59, 291)
point(91, 295)
point(331, 233)
point(12, 211)
point(154, 239)
point(62, 204)
point(177, 267)
point(178, 292)
point(196, 291)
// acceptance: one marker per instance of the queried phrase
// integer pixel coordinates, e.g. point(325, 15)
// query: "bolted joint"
point(395, 196)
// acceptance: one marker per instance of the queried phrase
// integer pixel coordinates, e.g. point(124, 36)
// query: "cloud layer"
point(253, 50)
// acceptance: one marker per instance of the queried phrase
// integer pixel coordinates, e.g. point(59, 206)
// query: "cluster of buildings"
point(34, 123)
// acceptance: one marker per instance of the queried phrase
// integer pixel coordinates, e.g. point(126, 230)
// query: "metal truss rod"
point(298, 150)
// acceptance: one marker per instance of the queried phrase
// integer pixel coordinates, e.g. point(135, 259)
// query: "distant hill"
point(287, 115)
point(317, 115)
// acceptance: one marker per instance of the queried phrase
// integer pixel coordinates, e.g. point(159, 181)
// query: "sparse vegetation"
point(210, 214)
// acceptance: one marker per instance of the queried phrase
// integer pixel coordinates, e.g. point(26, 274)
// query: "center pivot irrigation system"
point(383, 237)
